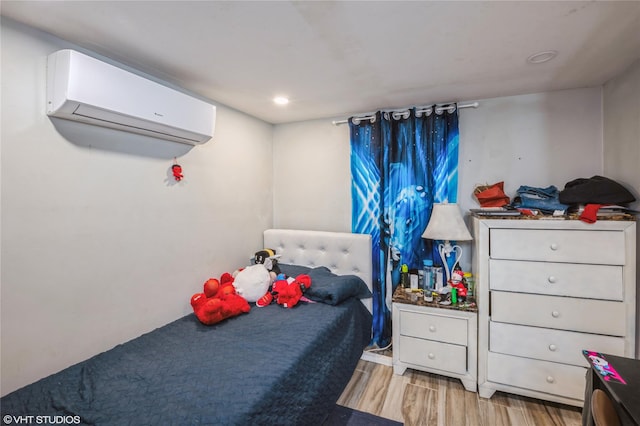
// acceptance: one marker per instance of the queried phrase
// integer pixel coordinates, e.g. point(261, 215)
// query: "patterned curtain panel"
point(401, 163)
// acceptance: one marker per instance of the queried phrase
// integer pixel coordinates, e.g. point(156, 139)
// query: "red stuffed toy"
point(456, 282)
point(218, 301)
point(177, 172)
point(288, 292)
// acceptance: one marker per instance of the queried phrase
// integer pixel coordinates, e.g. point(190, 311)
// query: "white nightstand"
point(436, 340)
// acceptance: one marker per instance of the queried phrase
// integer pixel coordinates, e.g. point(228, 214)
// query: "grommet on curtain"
point(358, 120)
point(428, 111)
point(397, 115)
point(449, 108)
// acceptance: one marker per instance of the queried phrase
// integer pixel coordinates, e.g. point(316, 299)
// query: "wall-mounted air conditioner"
point(83, 88)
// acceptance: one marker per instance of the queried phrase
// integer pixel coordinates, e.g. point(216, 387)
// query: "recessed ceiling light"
point(280, 100)
point(540, 57)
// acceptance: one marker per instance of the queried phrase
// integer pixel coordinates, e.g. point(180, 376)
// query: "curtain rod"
point(439, 109)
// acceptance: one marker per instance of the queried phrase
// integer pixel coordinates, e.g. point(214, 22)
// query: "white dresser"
point(437, 340)
point(546, 290)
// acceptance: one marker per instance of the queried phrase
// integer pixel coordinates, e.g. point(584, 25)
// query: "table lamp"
point(446, 224)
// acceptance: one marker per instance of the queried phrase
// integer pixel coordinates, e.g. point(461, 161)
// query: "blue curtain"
point(400, 165)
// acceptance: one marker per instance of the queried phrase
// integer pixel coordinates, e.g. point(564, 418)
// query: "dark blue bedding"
point(270, 366)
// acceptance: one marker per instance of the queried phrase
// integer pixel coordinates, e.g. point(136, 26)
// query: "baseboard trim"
point(377, 358)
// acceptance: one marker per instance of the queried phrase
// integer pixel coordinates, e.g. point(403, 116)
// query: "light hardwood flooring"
point(418, 398)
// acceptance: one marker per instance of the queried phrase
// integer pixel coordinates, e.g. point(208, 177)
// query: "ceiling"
point(333, 59)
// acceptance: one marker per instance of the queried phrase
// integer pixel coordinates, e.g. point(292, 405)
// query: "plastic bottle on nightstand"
point(404, 278)
point(428, 279)
point(471, 284)
point(427, 275)
point(438, 277)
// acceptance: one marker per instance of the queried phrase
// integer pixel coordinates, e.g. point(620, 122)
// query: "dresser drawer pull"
point(552, 279)
point(550, 379)
point(431, 356)
point(553, 246)
point(555, 314)
point(432, 328)
point(552, 347)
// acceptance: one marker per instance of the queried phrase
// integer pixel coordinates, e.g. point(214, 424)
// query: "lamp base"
point(445, 251)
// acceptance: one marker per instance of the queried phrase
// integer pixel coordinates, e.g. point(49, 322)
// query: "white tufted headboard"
point(342, 252)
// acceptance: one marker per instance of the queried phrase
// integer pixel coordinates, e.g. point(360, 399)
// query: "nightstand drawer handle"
point(432, 328)
point(555, 314)
point(431, 355)
point(552, 279)
point(553, 246)
point(552, 347)
point(550, 379)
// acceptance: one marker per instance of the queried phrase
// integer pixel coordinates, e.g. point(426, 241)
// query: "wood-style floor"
point(418, 398)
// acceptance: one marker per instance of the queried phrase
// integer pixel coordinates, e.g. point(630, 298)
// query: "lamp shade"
point(446, 223)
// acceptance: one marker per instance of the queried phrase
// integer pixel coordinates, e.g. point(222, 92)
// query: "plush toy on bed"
point(255, 281)
point(285, 291)
point(252, 282)
point(269, 259)
point(218, 301)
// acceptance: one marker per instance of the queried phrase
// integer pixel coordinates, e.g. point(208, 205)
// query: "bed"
point(270, 366)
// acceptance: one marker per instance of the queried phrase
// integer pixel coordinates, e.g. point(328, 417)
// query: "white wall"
point(536, 140)
point(311, 176)
point(99, 245)
point(621, 98)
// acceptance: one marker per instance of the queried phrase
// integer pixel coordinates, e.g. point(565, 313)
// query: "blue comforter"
point(270, 366)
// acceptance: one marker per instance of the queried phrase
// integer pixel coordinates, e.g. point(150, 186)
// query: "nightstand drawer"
point(542, 376)
point(560, 279)
point(430, 354)
point(546, 245)
point(549, 345)
point(438, 327)
point(586, 315)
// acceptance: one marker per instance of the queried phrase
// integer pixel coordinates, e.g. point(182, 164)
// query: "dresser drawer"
point(542, 376)
point(430, 354)
point(441, 328)
point(550, 345)
point(561, 279)
point(586, 315)
point(575, 246)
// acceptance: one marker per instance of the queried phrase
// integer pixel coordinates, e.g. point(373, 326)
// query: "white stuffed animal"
point(252, 282)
